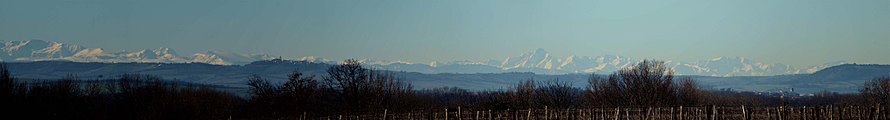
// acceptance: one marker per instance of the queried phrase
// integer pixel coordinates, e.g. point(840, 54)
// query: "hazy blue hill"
point(842, 78)
point(849, 72)
point(467, 68)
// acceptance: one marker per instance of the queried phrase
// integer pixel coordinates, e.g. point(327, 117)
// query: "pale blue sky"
point(796, 32)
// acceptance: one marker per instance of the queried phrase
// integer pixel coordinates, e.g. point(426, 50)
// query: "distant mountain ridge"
point(542, 62)
point(537, 61)
point(39, 50)
point(842, 78)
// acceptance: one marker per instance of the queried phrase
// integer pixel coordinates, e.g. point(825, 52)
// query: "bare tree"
point(877, 91)
point(557, 94)
point(688, 92)
point(525, 95)
point(9, 86)
point(347, 77)
point(649, 83)
point(363, 90)
point(299, 94)
point(261, 88)
point(264, 96)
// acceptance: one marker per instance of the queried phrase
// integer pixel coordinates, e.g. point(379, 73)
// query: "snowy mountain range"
point(847, 78)
point(39, 50)
point(537, 61)
point(542, 62)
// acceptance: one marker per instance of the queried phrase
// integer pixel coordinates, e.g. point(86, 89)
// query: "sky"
point(794, 32)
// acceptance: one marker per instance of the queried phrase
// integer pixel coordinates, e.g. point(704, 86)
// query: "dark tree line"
point(877, 91)
point(125, 97)
point(350, 89)
point(347, 89)
point(648, 83)
point(528, 94)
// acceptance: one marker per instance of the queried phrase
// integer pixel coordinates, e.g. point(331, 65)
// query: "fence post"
point(446, 113)
point(515, 114)
point(768, 114)
point(672, 113)
point(681, 113)
point(878, 111)
point(744, 113)
point(713, 112)
point(780, 112)
point(458, 113)
point(819, 112)
point(529, 115)
point(648, 113)
point(477, 115)
point(801, 113)
point(830, 112)
point(546, 113)
point(627, 114)
point(579, 114)
point(602, 113)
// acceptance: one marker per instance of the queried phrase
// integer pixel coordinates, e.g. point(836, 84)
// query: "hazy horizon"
point(793, 32)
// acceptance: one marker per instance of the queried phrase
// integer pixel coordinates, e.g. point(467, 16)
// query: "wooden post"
point(672, 113)
point(458, 113)
point(648, 112)
point(529, 115)
point(744, 113)
point(877, 112)
point(546, 113)
point(477, 115)
point(579, 114)
point(768, 114)
point(515, 114)
point(803, 112)
point(602, 113)
point(627, 114)
point(681, 113)
point(859, 112)
point(780, 112)
point(446, 113)
point(823, 112)
point(713, 112)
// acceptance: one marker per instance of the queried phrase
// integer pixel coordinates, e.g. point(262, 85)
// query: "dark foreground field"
point(645, 91)
point(653, 113)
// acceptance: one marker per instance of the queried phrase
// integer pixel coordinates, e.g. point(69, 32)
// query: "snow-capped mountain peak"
point(90, 52)
point(316, 59)
point(537, 58)
point(228, 58)
point(37, 50)
point(537, 61)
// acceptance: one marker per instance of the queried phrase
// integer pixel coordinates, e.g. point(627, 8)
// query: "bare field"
point(652, 113)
